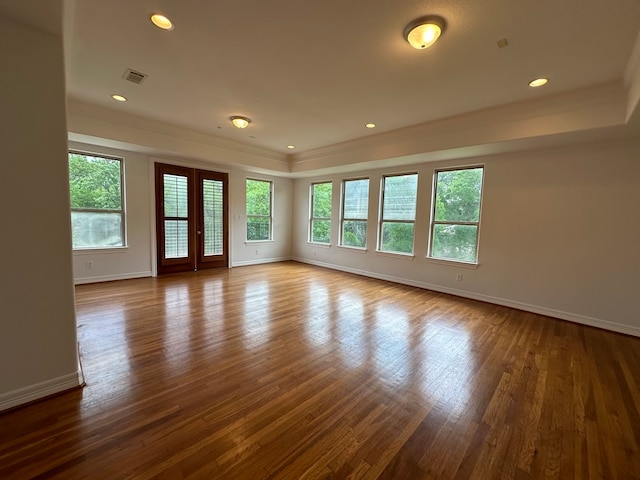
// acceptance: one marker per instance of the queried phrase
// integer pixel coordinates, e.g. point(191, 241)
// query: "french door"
point(192, 219)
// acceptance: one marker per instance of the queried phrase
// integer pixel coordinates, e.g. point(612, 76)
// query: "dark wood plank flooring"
point(287, 371)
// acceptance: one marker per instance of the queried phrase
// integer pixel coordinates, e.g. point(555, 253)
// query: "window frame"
point(382, 221)
point(269, 217)
point(433, 222)
point(312, 218)
point(342, 211)
point(121, 211)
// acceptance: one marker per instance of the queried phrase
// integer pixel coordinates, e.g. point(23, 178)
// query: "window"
point(455, 218)
point(355, 210)
point(97, 213)
point(258, 210)
point(398, 213)
point(321, 212)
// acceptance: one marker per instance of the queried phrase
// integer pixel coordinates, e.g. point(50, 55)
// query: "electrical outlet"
point(459, 277)
point(88, 265)
point(257, 252)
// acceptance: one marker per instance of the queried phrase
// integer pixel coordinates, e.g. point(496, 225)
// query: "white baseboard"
point(260, 261)
point(40, 390)
point(571, 317)
point(109, 278)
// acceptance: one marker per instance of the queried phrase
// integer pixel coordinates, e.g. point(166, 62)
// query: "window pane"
point(354, 234)
point(397, 237)
point(400, 197)
point(458, 195)
point(321, 231)
point(455, 242)
point(212, 201)
point(176, 238)
point(258, 228)
point(96, 229)
point(258, 197)
point(94, 182)
point(322, 200)
point(356, 198)
point(176, 197)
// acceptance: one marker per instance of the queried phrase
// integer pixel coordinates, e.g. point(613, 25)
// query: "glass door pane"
point(213, 227)
point(176, 216)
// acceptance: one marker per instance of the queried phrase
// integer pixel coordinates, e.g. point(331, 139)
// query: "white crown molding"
point(576, 116)
point(89, 123)
point(477, 133)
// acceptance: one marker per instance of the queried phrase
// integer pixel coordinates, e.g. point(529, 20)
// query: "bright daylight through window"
point(321, 212)
point(258, 210)
point(456, 214)
point(355, 210)
point(97, 214)
point(398, 213)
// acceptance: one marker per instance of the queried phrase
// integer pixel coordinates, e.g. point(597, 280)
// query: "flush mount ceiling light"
point(161, 21)
point(538, 82)
point(423, 32)
point(119, 98)
point(240, 122)
point(370, 125)
point(291, 147)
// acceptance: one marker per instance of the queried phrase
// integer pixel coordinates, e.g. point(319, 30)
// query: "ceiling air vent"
point(133, 76)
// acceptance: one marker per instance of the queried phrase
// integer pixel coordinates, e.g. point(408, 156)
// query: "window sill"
point(254, 242)
point(353, 249)
point(403, 256)
point(99, 250)
point(453, 263)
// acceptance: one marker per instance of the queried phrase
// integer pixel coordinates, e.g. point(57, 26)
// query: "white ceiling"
point(313, 73)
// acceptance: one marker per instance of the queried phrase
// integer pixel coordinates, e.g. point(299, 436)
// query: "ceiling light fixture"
point(161, 21)
point(423, 32)
point(291, 147)
point(538, 82)
point(240, 122)
point(370, 125)
point(119, 98)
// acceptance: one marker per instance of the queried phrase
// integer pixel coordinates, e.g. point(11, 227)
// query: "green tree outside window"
point(456, 214)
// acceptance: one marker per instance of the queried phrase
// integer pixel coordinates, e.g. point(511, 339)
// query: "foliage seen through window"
point(258, 197)
point(456, 216)
point(95, 187)
point(321, 212)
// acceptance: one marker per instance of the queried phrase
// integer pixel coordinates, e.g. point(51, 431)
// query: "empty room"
point(297, 240)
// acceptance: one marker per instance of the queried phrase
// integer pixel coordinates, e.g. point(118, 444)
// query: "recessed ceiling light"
point(291, 147)
point(538, 82)
point(161, 21)
point(119, 98)
point(423, 32)
point(240, 122)
point(370, 125)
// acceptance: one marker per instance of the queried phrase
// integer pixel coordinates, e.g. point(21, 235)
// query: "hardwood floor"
point(287, 371)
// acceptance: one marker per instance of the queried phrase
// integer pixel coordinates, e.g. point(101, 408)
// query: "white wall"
point(138, 258)
point(559, 234)
point(38, 351)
